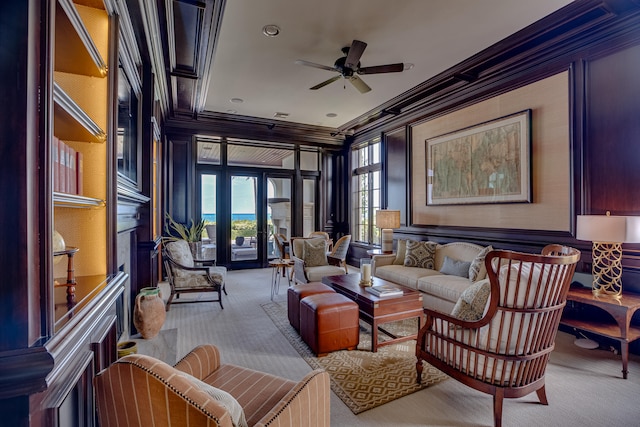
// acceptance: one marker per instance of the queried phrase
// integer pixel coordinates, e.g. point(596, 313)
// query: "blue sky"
point(242, 190)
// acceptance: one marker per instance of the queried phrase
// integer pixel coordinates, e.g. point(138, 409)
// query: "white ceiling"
point(434, 35)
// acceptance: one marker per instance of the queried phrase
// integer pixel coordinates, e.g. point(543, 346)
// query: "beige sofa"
point(141, 390)
point(441, 291)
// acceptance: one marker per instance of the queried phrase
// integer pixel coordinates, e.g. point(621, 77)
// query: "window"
point(365, 182)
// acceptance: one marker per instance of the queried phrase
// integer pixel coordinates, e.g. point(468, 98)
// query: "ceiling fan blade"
point(355, 52)
point(377, 69)
point(359, 84)
point(314, 65)
point(326, 82)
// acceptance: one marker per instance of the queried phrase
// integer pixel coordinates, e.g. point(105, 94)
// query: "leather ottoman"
point(298, 292)
point(329, 322)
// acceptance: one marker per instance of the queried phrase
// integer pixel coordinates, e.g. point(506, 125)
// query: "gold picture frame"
point(486, 163)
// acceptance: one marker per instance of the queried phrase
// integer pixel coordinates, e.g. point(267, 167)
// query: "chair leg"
point(220, 297)
point(542, 395)
point(419, 367)
point(168, 304)
point(224, 288)
point(498, 398)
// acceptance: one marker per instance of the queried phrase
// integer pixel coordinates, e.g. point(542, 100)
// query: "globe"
point(58, 245)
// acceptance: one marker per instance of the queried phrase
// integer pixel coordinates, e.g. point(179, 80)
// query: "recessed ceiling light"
point(408, 66)
point(271, 30)
point(281, 115)
point(237, 100)
point(232, 111)
point(332, 115)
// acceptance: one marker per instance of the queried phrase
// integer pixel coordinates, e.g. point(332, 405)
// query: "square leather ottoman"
point(329, 322)
point(296, 293)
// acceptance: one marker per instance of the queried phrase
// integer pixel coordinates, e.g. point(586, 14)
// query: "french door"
point(243, 214)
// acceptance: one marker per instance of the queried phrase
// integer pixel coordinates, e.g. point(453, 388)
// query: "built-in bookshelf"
point(79, 144)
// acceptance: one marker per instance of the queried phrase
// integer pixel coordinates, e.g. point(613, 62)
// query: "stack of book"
point(67, 168)
point(384, 291)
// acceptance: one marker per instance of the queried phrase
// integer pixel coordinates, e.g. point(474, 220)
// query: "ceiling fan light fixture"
point(271, 30)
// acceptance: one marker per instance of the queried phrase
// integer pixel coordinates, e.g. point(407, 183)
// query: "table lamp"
point(608, 233)
point(387, 220)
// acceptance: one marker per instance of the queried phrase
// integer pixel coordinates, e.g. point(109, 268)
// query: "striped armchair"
point(141, 390)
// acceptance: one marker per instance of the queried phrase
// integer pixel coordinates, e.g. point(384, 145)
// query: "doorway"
point(241, 232)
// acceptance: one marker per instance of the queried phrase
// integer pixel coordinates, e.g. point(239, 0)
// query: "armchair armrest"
point(201, 362)
point(380, 260)
point(308, 403)
point(298, 270)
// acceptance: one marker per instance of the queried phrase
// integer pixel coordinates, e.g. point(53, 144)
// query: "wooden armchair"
point(187, 275)
point(505, 352)
point(340, 250)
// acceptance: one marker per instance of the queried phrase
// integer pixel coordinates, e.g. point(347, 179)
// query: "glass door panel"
point(309, 206)
point(244, 218)
point(208, 198)
point(278, 213)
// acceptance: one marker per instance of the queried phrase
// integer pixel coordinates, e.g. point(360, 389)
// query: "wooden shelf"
point(71, 122)
point(86, 288)
point(75, 51)
point(64, 200)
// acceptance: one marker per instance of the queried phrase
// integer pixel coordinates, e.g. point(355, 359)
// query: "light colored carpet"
point(361, 379)
point(584, 387)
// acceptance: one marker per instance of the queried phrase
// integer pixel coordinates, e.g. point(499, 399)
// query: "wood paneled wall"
point(550, 162)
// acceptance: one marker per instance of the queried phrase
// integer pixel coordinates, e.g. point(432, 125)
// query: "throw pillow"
point(477, 269)
point(401, 251)
point(315, 252)
point(455, 267)
point(472, 302)
point(420, 254)
point(222, 397)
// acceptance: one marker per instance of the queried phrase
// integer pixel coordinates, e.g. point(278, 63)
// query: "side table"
point(620, 309)
point(277, 265)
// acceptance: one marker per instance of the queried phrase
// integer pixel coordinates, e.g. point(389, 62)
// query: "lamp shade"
point(387, 219)
point(608, 228)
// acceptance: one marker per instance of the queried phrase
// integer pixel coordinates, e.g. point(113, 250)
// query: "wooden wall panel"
point(551, 207)
point(612, 140)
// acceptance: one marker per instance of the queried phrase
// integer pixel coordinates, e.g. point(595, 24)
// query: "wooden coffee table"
point(378, 311)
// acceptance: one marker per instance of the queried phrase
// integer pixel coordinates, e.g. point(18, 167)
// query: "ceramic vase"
point(149, 312)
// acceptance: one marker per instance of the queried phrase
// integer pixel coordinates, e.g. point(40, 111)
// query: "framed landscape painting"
point(486, 163)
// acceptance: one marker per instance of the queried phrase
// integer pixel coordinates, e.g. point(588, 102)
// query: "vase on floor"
point(149, 312)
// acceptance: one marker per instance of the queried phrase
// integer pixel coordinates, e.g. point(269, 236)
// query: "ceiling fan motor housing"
point(345, 71)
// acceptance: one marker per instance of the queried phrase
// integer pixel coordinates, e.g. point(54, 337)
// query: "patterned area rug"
point(362, 379)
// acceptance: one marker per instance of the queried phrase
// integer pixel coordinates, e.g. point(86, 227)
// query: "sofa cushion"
point(222, 397)
point(405, 276)
point(455, 267)
point(315, 252)
point(477, 269)
point(445, 286)
point(463, 251)
point(401, 251)
point(420, 254)
point(472, 302)
point(315, 274)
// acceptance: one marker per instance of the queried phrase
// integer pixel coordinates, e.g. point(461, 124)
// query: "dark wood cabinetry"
point(57, 85)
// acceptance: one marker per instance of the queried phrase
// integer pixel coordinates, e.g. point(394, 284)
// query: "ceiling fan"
point(349, 67)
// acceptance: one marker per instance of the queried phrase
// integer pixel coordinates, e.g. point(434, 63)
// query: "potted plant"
point(192, 234)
